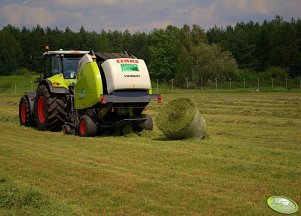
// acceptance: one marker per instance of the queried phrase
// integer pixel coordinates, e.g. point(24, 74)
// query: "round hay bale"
point(180, 119)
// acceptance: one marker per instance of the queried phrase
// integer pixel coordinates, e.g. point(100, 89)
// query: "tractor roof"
point(72, 52)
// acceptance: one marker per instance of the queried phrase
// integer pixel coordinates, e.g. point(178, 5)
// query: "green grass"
point(18, 84)
point(19, 200)
point(252, 151)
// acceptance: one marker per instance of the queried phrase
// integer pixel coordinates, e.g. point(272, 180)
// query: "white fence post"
point(286, 82)
point(216, 83)
point(272, 82)
point(187, 84)
point(172, 85)
point(202, 83)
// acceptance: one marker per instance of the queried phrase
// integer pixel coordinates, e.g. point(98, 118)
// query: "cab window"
point(56, 65)
point(70, 67)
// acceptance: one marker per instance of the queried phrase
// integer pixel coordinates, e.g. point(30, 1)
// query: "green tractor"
point(88, 93)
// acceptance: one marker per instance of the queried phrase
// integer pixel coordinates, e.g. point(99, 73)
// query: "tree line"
point(271, 48)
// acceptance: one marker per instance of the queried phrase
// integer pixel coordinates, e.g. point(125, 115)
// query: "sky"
point(141, 15)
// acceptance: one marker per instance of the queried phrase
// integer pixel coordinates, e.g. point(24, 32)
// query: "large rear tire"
point(25, 116)
point(87, 127)
point(50, 110)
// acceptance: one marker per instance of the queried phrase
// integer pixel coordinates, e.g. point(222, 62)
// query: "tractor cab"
point(63, 63)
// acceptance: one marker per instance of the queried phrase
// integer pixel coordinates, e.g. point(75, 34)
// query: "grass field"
point(252, 151)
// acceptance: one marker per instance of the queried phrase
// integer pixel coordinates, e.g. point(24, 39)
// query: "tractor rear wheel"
point(25, 116)
point(87, 127)
point(50, 110)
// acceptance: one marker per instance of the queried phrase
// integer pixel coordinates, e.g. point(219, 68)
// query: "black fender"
point(55, 90)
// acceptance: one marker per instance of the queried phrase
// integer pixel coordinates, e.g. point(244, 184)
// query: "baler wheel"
point(87, 127)
point(50, 110)
point(25, 117)
point(148, 123)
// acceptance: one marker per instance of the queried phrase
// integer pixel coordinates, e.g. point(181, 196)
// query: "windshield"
point(70, 67)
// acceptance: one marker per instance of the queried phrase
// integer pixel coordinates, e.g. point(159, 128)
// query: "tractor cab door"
point(53, 65)
point(70, 65)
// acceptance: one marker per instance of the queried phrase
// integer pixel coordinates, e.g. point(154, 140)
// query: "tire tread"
point(56, 110)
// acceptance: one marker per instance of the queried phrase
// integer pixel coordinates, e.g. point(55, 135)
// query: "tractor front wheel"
point(25, 116)
point(50, 110)
point(87, 127)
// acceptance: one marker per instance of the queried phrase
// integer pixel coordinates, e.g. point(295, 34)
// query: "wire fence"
point(18, 87)
point(172, 85)
point(267, 84)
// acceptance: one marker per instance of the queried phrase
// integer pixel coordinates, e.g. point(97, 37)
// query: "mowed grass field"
point(252, 151)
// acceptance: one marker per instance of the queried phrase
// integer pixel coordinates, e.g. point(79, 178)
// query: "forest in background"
point(271, 48)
